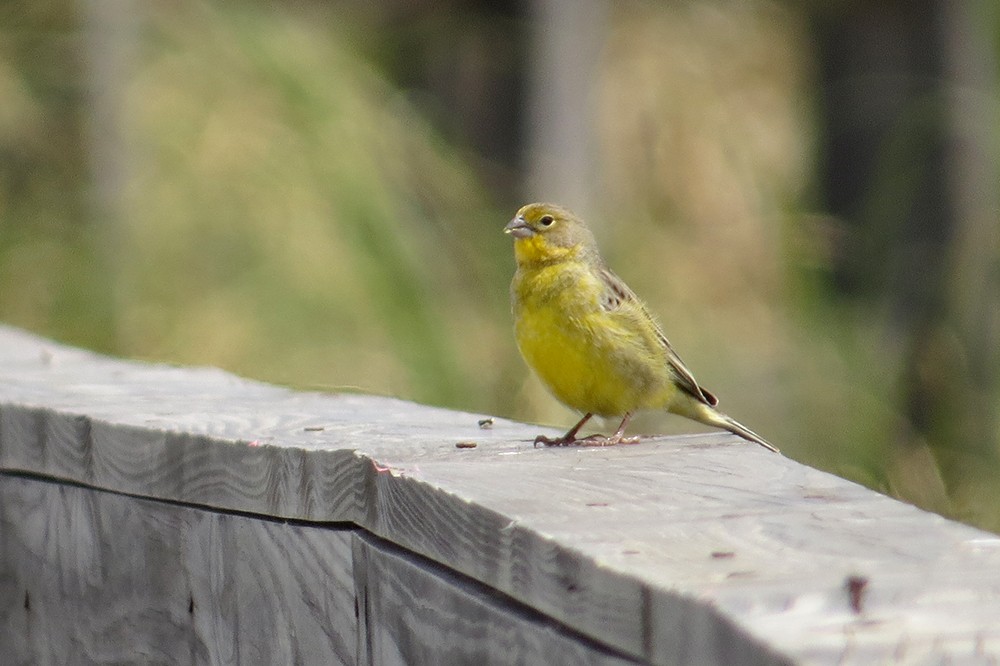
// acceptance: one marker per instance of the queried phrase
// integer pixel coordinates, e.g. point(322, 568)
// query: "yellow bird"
point(589, 337)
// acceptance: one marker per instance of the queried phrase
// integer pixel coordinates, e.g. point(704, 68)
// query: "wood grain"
point(695, 549)
point(413, 612)
point(94, 577)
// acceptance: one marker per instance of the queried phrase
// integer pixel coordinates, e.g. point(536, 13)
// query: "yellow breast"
point(591, 360)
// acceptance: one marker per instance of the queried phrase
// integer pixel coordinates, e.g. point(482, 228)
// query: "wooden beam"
point(695, 549)
point(414, 612)
point(96, 577)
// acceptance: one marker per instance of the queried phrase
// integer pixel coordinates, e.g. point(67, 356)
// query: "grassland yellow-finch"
point(589, 337)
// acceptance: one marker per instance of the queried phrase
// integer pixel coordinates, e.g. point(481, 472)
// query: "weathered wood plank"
point(679, 550)
point(94, 577)
point(417, 613)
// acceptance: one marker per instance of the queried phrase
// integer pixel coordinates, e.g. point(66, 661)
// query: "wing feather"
point(616, 294)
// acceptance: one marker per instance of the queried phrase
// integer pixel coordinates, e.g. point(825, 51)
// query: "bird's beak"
point(518, 228)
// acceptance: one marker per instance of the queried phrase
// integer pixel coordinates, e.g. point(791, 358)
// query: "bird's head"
point(547, 233)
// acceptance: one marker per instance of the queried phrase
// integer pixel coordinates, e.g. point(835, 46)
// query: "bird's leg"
point(617, 438)
point(567, 439)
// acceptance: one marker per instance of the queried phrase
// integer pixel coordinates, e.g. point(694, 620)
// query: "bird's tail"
point(712, 417)
point(734, 426)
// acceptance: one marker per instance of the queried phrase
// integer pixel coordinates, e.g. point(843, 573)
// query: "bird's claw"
point(614, 440)
point(590, 440)
point(555, 441)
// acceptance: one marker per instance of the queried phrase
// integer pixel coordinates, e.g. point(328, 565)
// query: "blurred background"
point(313, 194)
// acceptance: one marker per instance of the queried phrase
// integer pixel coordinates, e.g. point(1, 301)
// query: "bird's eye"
point(547, 220)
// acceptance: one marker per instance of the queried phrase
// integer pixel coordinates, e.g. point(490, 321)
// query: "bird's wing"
point(616, 294)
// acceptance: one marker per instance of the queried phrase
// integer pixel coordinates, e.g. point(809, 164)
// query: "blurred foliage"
point(290, 213)
point(287, 216)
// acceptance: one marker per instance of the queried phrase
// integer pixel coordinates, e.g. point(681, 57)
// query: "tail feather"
point(712, 417)
point(737, 428)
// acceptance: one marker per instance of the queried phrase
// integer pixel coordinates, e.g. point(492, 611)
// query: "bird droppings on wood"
point(486, 423)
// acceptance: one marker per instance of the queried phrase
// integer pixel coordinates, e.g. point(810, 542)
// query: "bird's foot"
point(613, 440)
point(590, 440)
point(565, 440)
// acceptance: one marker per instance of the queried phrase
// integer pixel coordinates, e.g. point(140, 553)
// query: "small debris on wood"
point(314, 428)
point(466, 445)
point(738, 575)
point(856, 586)
point(597, 504)
point(723, 555)
point(486, 423)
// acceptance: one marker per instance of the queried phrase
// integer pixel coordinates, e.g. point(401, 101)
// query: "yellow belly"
point(591, 360)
